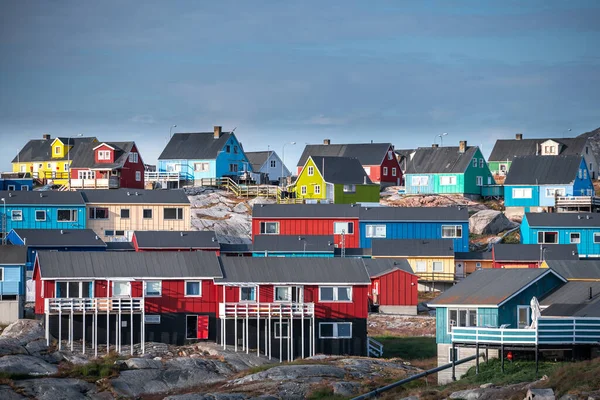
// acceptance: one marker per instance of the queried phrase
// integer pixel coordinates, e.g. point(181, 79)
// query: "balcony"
point(100, 183)
point(577, 203)
point(437, 276)
point(266, 310)
point(94, 305)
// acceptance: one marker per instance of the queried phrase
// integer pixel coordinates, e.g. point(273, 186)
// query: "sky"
point(298, 71)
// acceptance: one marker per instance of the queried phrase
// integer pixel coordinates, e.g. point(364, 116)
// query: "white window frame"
point(336, 290)
point(265, 230)
point(146, 288)
point(273, 164)
point(40, 219)
point(447, 180)
point(25, 188)
point(11, 188)
point(289, 296)
point(522, 193)
point(317, 189)
point(578, 240)
point(286, 327)
point(201, 167)
point(72, 212)
point(254, 290)
point(544, 237)
point(80, 286)
point(479, 180)
point(192, 295)
point(421, 266)
point(56, 149)
point(85, 174)
point(596, 234)
point(133, 158)
point(455, 235)
point(376, 231)
point(433, 265)
point(394, 171)
point(419, 180)
point(15, 218)
point(335, 330)
point(303, 190)
point(585, 174)
point(481, 163)
point(385, 171)
point(128, 283)
point(519, 308)
point(552, 192)
point(474, 163)
point(103, 154)
point(468, 321)
point(349, 188)
point(310, 171)
point(338, 229)
point(138, 176)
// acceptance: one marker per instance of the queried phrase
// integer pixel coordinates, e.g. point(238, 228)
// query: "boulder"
point(346, 389)
point(26, 365)
point(56, 388)
point(208, 396)
point(295, 373)
point(24, 330)
point(11, 347)
point(540, 394)
point(467, 394)
point(489, 222)
point(36, 347)
point(6, 393)
point(143, 363)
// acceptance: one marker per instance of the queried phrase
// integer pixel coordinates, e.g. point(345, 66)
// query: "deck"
point(266, 310)
point(94, 305)
point(577, 203)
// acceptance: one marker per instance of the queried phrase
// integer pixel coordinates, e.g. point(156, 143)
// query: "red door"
point(202, 326)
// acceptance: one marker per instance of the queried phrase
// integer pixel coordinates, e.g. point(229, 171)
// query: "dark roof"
point(84, 156)
point(508, 149)
point(353, 252)
point(473, 255)
point(532, 252)
point(45, 198)
point(563, 220)
point(294, 243)
point(341, 170)
point(489, 286)
point(176, 240)
point(119, 246)
point(194, 146)
point(366, 153)
point(594, 140)
point(573, 300)
point(135, 196)
point(258, 158)
point(404, 153)
point(440, 160)
point(305, 211)
point(300, 270)
point(381, 266)
point(60, 238)
point(236, 248)
point(576, 269)
point(458, 214)
point(543, 170)
point(13, 255)
point(413, 247)
point(41, 149)
point(145, 264)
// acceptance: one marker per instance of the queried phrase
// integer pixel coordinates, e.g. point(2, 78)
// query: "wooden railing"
point(266, 310)
point(374, 348)
point(479, 334)
point(153, 176)
point(94, 304)
point(577, 200)
point(437, 276)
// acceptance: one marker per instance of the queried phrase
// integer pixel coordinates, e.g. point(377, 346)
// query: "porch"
point(577, 203)
point(95, 183)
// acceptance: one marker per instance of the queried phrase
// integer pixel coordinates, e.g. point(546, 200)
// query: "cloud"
point(143, 119)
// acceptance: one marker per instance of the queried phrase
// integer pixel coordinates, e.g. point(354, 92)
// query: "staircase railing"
point(374, 348)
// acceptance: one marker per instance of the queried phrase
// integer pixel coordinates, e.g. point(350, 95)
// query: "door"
point(329, 192)
point(460, 269)
point(202, 327)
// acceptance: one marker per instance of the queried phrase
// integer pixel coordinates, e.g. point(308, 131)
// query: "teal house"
point(458, 170)
point(12, 283)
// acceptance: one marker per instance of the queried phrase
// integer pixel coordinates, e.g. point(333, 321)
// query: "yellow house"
point(48, 159)
point(467, 263)
point(432, 260)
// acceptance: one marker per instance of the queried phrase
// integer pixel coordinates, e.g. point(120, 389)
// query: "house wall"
point(363, 194)
point(446, 275)
point(14, 280)
point(28, 217)
point(586, 247)
point(128, 172)
point(485, 316)
point(19, 184)
point(293, 254)
point(377, 174)
point(472, 172)
point(583, 185)
point(274, 172)
point(470, 266)
point(510, 201)
point(514, 264)
point(225, 159)
point(415, 189)
point(310, 182)
point(397, 288)
point(307, 226)
point(104, 147)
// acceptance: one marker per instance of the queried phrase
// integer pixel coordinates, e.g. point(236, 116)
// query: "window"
point(269, 228)
point(235, 150)
point(451, 231)
point(138, 176)
point(522, 193)
point(283, 293)
point(390, 155)
point(376, 231)
point(40, 215)
point(11, 188)
point(421, 266)
point(575, 237)
point(133, 158)
point(273, 164)
point(479, 180)
point(228, 149)
point(461, 317)
point(193, 288)
point(310, 171)
point(596, 237)
point(475, 163)
point(438, 266)
point(317, 189)
point(447, 180)
point(481, 163)
point(343, 227)
point(580, 174)
point(121, 288)
point(104, 155)
point(147, 213)
point(201, 167)
point(67, 167)
point(25, 188)
point(86, 174)
point(153, 288)
point(522, 317)
point(478, 266)
point(349, 188)
point(282, 330)
point(66, 215)
point(1, 274)
point(196, 327)
point(394, 171)
point(109, 233)
point(125, 213)
point(152, 319)
point(173, 213)
point(585, 174)
point(248, 293)
point(57, 150)
point(233, 168)
point(119, 233)
point(547, 237)
point(49, 166)
point(17, 215)
point(335, 293)
point(385, 171)
point(335, 330)
point(303, 189)
point(550, 149)
point(114, 172)
point(98, 213)
point(419, 180)
point(552, 192)
point(74, 290)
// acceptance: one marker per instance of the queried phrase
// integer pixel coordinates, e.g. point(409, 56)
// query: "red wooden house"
point(107, 165)
point(175, 241)
point(378, 159)
point(531, 255)
point(394, 286)
point(308, 219)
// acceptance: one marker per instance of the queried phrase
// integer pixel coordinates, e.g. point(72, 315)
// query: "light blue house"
point(204, 155)
point(12, 283)
point(536, 181)
point(293, 246)
point(16, 181)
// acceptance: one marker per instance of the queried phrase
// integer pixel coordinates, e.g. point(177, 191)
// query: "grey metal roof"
point(508, 149)
point(236, 248)
point(60, 237)
point(594, 141)
point(473, 255)
point(439, 160)
point(532, 252)
point(112, 264)
point(413, 247)
point(576, 269)
point(42, 198)
point(381, 266)
point(543, 170)
point(119, 246)
point(341, 170)
point(305, 211)
point(41, 149)
point(562, 220)
point(13, 255)
point(135, 196)
point(489, 286)
point(294, 270)
point(176, 240)
point(440, 214)
point(294, 243)
point(573, 300)
point(84, 156)
point(258, 158)
point(352, 252)
point(366, 153)
point(194, 146)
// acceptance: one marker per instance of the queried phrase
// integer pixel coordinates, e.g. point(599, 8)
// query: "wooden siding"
point(397, 288)
point(308, 226)
point(471, 174)
point(310, 182)
point(363, 194)
point(377, 175)
point(470, 266)
point(485, 316)
point(510, 201)
point(307, 254)
point(127, 173)
point(28, 217)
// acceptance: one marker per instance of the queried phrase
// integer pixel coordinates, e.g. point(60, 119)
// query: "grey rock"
point(208, 396)
point(6, 393)
point(540, 394)
point(24, 330)
point(410, 398)
point(487, 385)
point(345, 388)
point(11, 346)
point(36, 347)
point(26, 365)
point(294, 372)
point(489, 222)
point(74, 358)
point(467, 394)
point(240, 208)
point(569, 397)
point(143, 363)
point(56, 388)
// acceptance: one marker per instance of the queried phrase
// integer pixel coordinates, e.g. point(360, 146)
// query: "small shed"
point(393, 286)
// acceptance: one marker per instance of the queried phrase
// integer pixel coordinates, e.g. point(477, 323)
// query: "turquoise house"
point(12, 283)
point(16, 181)
point(293, 246)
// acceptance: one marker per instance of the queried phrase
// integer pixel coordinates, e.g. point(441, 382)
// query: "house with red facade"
point(175, 241)
point(394, 286)
point(531, 255)
point(107, 165)
point(378, 159)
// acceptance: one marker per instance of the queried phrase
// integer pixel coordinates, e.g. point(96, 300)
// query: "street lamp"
point(171, 130)
point(4, 223)
point(68, 166)
point(441, 136)
point(283, 159)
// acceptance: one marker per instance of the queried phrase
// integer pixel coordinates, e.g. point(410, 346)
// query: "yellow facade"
point(310, 184)
point(423, 267)
point(54, 169)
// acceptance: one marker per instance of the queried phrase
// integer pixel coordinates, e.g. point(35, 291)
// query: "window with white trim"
point(552, 192)
point(248, 293)
point(193, 288)
point(521, 193)
point(173, 213)
point(394, 171)
point(138, 176)
point(346, 228)
point(317, 189)
point(523, 316)
point(575, 237)
point(419, 180)
point(481, 163)
point(479, 180)
point(11, 188)
point(335, 330)
point(85, 174)
point(152, 319)
point(596, 237)
point(349, 188)
point(269, 228)
point(25, 188)
point(385, 171)
point(133, 158)
point(282, 293)
point(461, 317)
point(390, 155)
point(585, 174)
point(447, 180)
point(74, 289)
point(282, 330)
point(98, 213)
point(421, 266)
point(152, 288)
point(335, 293)
point(103, 154)
point(17, 215)
point(547, 237)
point(438, 266)
point(303, 190)
point(66, 215)
point(451, 231)
point(376, 231)
point(310, 171)
point(201, 167)
point(475, 163)
point(121, 288)
point(40, 215)
point(57, 150)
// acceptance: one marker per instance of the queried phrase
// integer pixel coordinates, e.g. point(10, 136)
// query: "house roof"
point(353, 252)
point(441, 214)
point(236, 248)
point(366, 153)
point(490, 287)
point(440, 160)
point(60, 238)
point(111, 264)
point(543, 170)
point(404, 153)
point(576, 269)
point(41, 149)
point(573, 300)
point(13, 255)
point(294, 243)
point(42, 197)
point(532, 252)
point(176, 240)
point(508, 149)
point(594, 140)
point(119, 246)
point(413, 247)
point(135, 196)
point(194, 146)
point(473, 255)
point(258, 158)
point(310, 211)
point(293, 270)
point(561, 220)
point(85, 155)
point(341, 170)
point(380, 266)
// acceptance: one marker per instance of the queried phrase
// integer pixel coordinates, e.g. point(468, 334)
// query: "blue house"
point(293, 246)
point(535, 181)
point(415, 223)
point(54, 239)
point(582, 229)
point(42, 210)
point(16, 181)
point(12, 283)
point(204, 155)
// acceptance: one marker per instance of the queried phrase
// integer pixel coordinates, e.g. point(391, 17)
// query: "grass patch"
point(514, 372)
point(512, 238)
point(408, 348)
point(575, 377)
point(323, 392)
point(94, 370)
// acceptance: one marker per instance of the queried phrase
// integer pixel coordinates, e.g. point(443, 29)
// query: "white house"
point(267, 167)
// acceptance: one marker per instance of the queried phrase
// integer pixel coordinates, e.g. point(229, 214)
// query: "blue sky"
point(352, 71)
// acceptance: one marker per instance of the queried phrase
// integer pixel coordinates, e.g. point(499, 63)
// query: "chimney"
point(217, 132)
point(435, 145)
point(519, 136)
point(364, 180)
point(327, 141)
point(46, 136)
point(462, 146)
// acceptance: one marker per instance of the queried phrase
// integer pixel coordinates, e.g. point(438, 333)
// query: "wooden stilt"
point(235, 328)
point(302, 328)
point(59, 329)
point(71, 338)
point(107, 326)
point(477, 359)
point(280, 337)
point(247, 330)
point(453, 362)
point(131, 331)
point(257, 334)
point(270, 334)
point(83, 320)
point(292, 336)
point(537, 361)
point(47, 327)
point(502, 357)
point(95, 332)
